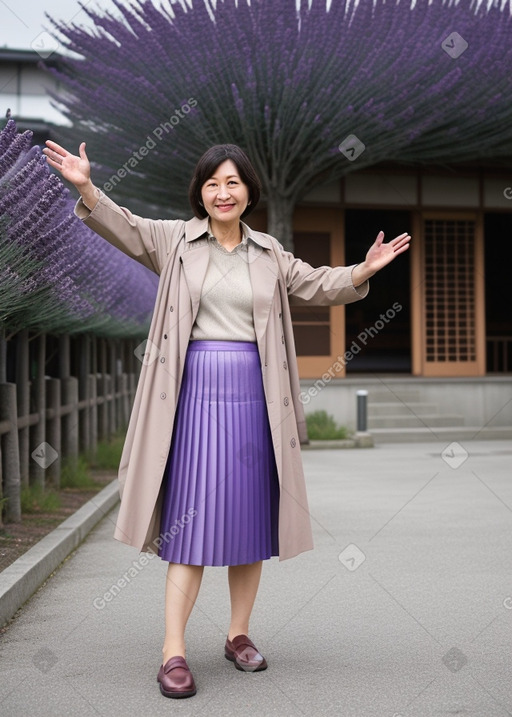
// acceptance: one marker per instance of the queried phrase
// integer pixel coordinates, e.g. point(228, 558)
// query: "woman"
point(211, 472)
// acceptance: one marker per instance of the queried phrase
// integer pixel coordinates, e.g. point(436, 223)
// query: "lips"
point(224, 207)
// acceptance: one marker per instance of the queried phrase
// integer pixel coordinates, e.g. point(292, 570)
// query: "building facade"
point(440, 310)
point(23, 91)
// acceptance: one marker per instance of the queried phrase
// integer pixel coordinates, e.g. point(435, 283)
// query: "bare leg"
point(243, 586)
point(182, 587)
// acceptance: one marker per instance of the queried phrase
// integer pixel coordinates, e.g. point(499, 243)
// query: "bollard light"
point(362, 411)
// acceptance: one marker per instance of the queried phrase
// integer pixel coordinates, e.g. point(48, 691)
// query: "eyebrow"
point(230, 176)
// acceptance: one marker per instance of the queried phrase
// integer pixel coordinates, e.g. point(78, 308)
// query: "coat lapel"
point(195, 262)
point(263, 273)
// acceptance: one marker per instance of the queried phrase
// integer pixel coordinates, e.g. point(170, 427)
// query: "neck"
point(227, 234)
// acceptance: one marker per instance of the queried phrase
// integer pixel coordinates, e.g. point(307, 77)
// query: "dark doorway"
point(498, 235)
point(379, 325)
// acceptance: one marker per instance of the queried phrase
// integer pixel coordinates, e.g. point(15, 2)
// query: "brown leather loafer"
point(176, 679)
point(244, 654)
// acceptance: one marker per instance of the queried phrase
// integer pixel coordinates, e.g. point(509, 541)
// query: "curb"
point(20, 580)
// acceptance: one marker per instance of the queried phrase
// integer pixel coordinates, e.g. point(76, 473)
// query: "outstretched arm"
point(148, 241)
point(76, 169)
point(325, 285)
point(378, 256)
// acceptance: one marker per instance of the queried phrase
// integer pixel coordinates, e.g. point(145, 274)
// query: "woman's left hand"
point(379, 255)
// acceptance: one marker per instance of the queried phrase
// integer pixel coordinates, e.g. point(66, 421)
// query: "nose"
point(223, 192)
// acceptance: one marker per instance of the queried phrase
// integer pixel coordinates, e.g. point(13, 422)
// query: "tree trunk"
point(280, 219)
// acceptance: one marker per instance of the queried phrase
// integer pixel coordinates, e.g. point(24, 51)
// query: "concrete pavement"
point(404, 608)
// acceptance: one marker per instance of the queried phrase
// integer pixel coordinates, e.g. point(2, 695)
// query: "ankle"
point(234, 632)
point(173, 649)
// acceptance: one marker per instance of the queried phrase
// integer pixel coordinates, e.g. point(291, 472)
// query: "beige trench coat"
point(178, 252)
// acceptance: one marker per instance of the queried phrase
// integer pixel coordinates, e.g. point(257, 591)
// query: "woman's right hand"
point(76, 170)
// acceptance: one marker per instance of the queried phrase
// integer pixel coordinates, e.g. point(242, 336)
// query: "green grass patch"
point(35, 499)
point(323, 427)
point(108, 454)
point(76, 474)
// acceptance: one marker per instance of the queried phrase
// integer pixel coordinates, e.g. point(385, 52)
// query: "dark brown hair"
point(206, 166)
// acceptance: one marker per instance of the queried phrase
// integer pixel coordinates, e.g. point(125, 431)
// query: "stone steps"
point(397, 408)
point(410, 420)
point(403, 413)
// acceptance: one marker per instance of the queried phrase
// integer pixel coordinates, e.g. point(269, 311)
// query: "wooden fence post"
point(10, 454)
point(125, 400)
point(69, 392)
point(93, 392)
point(103, 425)
point(113, 387)
point(53, 430)
point(70, 431)
point(93, 416)
point(41, 455)
point(84, 364)
point(23, 398)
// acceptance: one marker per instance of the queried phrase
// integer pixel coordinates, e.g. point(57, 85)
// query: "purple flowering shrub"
point(56, 274)
point(423, 84)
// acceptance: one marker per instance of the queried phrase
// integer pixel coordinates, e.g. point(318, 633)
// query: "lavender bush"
point(289, 86)
point(56, 275)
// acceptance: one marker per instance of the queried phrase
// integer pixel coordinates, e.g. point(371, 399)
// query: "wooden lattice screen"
point(453, 297)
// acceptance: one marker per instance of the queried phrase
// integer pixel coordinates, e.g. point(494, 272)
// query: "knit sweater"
point(225, 311)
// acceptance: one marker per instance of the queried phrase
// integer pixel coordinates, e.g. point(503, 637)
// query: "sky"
point(22, 21)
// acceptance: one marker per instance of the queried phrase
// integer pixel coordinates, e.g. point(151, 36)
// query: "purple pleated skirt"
point(221, 490)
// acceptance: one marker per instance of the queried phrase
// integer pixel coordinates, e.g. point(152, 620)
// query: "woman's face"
point(224, 195)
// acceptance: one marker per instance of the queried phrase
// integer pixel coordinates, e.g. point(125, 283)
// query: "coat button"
point(285, 365)
point(280, 314)
point(293, 443)
point(165, 336)
point(162, 360)
point(172, 308)
point(282, 339)
point(286, 401)
point(163, 395)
